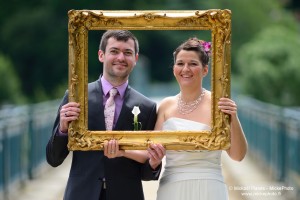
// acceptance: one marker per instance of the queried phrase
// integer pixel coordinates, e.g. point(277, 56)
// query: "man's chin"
point(121, 73)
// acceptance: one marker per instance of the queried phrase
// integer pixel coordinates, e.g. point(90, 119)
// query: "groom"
point(111, 174)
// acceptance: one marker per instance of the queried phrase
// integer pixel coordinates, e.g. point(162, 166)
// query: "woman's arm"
point(111, 150)
point(238, 148)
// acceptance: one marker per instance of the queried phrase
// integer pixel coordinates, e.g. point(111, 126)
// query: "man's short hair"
point(119, 35)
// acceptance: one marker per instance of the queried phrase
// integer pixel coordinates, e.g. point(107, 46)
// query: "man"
point(111, 174)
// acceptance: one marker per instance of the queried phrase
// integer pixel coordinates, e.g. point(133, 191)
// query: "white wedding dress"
point(191, 175)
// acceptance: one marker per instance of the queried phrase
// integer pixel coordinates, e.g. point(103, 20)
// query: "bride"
point(195, 175)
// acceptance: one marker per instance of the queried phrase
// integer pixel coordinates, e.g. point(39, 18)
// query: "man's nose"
point(121, 56)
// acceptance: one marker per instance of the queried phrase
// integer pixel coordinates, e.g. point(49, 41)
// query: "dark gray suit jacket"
point(123, 176)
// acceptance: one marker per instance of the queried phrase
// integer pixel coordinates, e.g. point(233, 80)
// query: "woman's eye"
point(193, 64)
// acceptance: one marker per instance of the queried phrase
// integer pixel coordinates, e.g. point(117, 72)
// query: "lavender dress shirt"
point(119, 98)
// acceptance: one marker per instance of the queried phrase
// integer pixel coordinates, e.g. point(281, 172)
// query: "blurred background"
point(265, 84)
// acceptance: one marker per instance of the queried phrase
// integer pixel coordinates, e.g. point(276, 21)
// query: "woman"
point(194, 175)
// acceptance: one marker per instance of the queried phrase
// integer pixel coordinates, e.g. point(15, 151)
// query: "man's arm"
point(56, 150)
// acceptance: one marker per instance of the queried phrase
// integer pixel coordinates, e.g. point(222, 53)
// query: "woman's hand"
point(228, 106)
point(156, 153)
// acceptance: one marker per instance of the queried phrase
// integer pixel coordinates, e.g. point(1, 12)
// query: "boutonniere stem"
point(136, 124)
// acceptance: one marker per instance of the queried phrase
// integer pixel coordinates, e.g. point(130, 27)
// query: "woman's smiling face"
point(188, 69)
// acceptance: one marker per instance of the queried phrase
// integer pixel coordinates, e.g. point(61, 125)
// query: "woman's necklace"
point(188, 107)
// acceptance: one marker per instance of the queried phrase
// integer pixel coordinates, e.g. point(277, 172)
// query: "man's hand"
point(68, 112)
point(111, 149)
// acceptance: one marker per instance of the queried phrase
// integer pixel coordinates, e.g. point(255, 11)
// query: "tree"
point(269, 65)
point(9, 83)
point(34, 37)
point(249, 18)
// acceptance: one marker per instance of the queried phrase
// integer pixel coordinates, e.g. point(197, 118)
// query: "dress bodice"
point(206, 164)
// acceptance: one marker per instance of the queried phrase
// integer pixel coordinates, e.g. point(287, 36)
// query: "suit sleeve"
point(147, 172)
point(57, 150)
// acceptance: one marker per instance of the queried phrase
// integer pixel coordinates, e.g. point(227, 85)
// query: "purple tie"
point(109, 109)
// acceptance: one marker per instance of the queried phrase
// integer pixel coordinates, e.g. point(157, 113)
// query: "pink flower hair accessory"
point(206, 46)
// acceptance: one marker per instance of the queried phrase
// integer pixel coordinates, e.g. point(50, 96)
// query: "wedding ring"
point(112, 152)
point(66, 114)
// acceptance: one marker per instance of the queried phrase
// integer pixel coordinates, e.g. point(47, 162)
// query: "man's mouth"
point(120, 64)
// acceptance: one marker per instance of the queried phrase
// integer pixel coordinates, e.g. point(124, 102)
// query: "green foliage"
point(9, 83)
point(34, 37)
point(269, 65)
point(249, 18)
point(36, 42)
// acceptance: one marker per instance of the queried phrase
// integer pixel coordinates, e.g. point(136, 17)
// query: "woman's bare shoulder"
point(167, 101)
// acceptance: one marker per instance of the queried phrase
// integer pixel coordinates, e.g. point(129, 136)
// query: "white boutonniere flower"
point(136, 111)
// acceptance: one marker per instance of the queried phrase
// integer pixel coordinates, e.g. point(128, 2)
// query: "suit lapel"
point(125, 111)
point(101, 119)
point(96, 110)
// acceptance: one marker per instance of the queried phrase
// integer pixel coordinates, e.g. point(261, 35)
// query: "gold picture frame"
point(217, 21)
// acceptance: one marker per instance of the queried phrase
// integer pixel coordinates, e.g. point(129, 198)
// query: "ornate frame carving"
point(217, 21)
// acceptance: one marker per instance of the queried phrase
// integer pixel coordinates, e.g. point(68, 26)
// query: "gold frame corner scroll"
point(215, 20)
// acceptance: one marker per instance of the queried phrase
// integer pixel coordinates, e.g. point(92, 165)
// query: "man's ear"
point(136, 58)
point(101, 56)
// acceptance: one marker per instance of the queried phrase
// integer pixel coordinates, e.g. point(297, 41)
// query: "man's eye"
point(114, 52)
point(179, 64)
point(128, 53)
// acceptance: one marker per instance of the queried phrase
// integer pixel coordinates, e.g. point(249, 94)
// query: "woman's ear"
point(205, 70)
point(174, 71)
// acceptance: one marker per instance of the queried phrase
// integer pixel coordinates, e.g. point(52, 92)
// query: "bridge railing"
point(273, 134)
point(24, 132)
